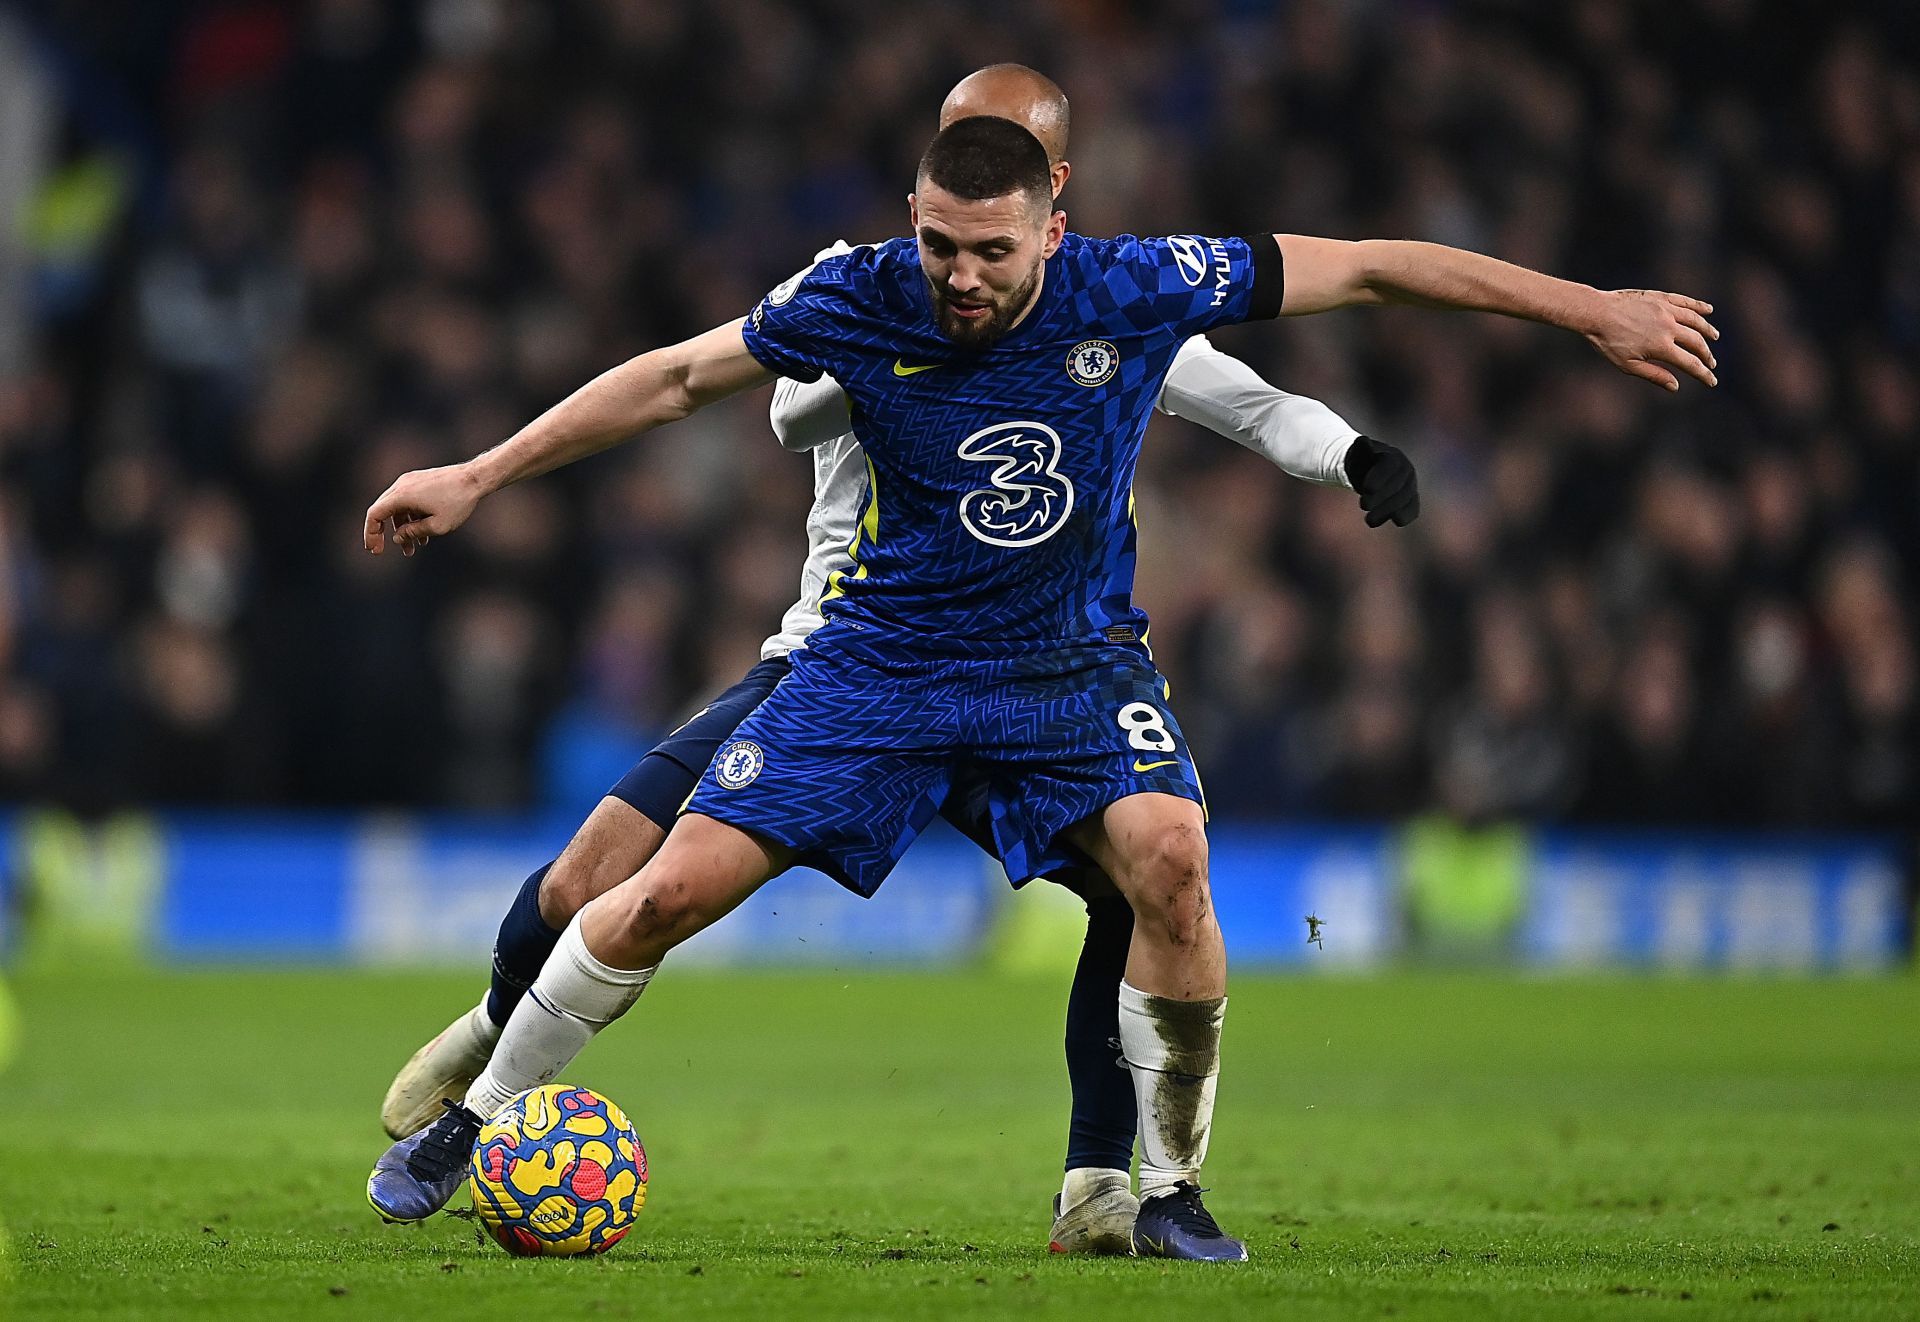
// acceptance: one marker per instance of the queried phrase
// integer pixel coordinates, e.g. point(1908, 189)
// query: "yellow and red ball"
point(558, 1173)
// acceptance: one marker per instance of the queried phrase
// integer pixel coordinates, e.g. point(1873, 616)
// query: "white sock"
point(1173, 1052)
point(1086, 1181)
point(480, 1025)
point(574, 997)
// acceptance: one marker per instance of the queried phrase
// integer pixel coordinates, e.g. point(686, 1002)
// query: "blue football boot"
point(1178, 1225)
point(418, 1176)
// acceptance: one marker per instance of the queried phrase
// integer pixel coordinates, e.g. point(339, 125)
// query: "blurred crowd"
point(353, 237)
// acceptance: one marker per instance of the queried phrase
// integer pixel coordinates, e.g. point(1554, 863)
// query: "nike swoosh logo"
point(901, 369)
point(1170, 762)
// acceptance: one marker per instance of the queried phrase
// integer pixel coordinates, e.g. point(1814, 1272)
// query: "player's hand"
point(1652, 335)
point(423, 504)
point(1385, 480)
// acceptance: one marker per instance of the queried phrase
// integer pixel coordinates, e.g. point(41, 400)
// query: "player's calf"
point(1166, 883)
point(614, 842)
point(612, 948)
point(1154, 846)
point(636, 925)
point(576, 996)
point(1173, 1052)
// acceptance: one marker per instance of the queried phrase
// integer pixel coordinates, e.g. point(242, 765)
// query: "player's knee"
point(654, 915)
point(565, 890)
point(1169, 882)
point(1175, 853)
point(601, 856)
point(581, 875)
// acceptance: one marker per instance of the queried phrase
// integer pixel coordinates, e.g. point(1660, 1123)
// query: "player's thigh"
point(703, 871)
point(1142, 834)
point(850, 813)
point(845, 764)
point(1154, 847)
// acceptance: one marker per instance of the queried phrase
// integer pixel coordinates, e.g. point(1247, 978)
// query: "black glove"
point(1385, 479)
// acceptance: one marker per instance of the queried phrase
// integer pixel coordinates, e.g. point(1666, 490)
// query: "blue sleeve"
point(1194, 284)
point(796, 328)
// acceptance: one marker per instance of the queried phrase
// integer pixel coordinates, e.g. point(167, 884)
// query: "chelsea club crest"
point(1092, 362)
point(737, 765)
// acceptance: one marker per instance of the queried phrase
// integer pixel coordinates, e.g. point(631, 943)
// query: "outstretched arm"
point(1301, 436)
point(641, 394)
point(1643, 332)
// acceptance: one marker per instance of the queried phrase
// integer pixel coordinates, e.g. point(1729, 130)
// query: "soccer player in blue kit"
point(1095, 1209)
point(1000, 373)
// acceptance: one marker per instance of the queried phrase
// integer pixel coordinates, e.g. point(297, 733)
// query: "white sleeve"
point(1221, 393)
point(808, 414)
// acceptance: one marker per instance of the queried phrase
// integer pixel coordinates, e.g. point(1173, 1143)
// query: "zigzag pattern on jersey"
point(931, 583)
point(859, 755)
point(857, 759)
point(1054, 752)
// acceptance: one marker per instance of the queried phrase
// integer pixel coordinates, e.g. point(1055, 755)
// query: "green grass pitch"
point(194, 1145)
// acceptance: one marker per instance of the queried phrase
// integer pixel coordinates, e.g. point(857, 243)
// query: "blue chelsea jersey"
point(999, 512)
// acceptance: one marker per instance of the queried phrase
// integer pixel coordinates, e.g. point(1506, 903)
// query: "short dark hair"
point(985, 156)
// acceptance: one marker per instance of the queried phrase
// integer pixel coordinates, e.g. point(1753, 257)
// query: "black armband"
point(1269, 279)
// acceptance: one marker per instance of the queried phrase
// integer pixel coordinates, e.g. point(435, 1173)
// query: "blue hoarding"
point(430, 889)
point(1709, 901)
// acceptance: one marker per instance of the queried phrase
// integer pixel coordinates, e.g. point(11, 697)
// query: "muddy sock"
point(1084, 1182)
point(1173, 1050)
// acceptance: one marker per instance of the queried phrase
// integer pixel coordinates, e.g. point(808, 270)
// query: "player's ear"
point(1061, 173)
point(1056, 231)
point(913, 212)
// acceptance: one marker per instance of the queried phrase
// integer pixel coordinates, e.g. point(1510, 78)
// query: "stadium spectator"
point(391, 232)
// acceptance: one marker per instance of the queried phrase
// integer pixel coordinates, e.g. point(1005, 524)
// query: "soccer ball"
point(558, 1173)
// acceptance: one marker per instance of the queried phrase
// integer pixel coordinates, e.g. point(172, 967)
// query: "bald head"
point(1013, 91)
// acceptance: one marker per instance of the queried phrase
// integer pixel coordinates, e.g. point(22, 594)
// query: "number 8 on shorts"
point(1146, 728)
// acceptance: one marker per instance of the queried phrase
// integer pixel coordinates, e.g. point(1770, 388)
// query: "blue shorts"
point(660, 782)
point(850, 758)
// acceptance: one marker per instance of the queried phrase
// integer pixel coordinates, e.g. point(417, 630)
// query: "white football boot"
point(1101, 1222)
point(437, 1073)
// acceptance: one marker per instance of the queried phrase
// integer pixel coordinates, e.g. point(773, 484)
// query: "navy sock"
point(1105, 1115)
point(521, 949)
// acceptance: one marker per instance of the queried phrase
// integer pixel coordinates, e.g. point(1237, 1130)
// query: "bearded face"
point(983, 259)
